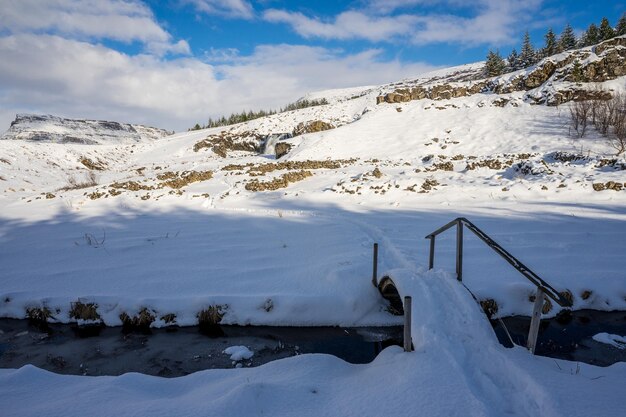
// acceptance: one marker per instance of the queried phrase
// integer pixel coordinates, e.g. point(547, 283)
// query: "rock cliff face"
point(311, 127)
point(55, 129)
point(553, 81)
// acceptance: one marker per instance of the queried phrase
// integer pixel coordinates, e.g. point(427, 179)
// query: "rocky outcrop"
point(605, 62)
point(47, 128)
point(226, 141)
point(311, 127)
point(437, 92)
point(576, 94)
point(610, 66)
point(610, 44)
point(281, 149)
point(539, 76)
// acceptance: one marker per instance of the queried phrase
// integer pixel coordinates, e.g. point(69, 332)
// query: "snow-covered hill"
point(204, 223)
point(490, 156)
point(47, 128)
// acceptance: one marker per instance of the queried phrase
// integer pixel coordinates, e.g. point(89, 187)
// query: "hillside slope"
point(389, 172)
point(206, 223)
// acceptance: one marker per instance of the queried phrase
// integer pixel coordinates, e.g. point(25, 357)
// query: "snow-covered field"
point(301, 255)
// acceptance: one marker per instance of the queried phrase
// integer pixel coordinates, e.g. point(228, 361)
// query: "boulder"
point(281, 149)
point(311, 127)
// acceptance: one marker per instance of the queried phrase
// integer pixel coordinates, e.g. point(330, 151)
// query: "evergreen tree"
point(577, 72)
point(513, 60)
point(551, 44)
point(527, 56)
point(606, 31)
point(567, 41)
point(494, 65)
point(591, 36)
point(621, 26)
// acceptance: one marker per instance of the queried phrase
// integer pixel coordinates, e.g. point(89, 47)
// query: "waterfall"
point(270, 143)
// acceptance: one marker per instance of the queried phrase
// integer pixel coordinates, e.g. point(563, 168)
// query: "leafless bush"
point(604, 112)
point(608, 117)
point(618, 140)
point(72, 184)
point(580, 112)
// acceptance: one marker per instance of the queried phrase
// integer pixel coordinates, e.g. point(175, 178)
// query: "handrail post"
point(407, 341)
point(535, 321)
point(431, 256)
point(375, 266)
point(459, 250)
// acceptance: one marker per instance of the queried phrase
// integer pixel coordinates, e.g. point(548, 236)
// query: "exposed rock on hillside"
point(49, 128)
point(281, 149)
point(311, 127)
point(227, 141)
point(604, 62)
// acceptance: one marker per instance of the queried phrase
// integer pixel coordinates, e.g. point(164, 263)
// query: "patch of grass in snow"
point(39, 316)
point(567, 294)
point(281, 182)
point(84, 311)
point(169, 319)
point(489, 306)
point(211, 315)
point(210, 318)
point(141, 321)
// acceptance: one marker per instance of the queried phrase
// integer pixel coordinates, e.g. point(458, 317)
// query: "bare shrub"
point(618, 140)
point(580, 112)
point(607, 116)
point(91, 180)
point(604, 113)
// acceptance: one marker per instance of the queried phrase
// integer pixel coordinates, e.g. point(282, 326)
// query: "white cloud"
point(120, 20)
point(495, 22)
point(229, 8)
point(347, 25)
point(50, 74)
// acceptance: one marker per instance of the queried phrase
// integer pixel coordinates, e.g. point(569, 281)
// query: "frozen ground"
point(301, 255)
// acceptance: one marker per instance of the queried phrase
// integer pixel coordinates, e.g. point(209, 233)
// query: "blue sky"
point(172, 63)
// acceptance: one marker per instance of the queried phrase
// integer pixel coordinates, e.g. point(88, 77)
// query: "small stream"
point(67, 349)
point(569, 336)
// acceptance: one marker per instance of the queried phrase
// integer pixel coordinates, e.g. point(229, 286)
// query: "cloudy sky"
point(172, 63)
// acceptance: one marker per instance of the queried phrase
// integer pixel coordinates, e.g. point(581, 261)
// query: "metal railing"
point(543, 288)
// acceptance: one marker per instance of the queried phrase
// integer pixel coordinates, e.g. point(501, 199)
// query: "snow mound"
point(611, 339)
point(238, 353)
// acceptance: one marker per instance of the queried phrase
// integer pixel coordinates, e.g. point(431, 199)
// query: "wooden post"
point(431, 256)
point(375, 266)
point(459, 251)
point(408, 342)
point(535, 321)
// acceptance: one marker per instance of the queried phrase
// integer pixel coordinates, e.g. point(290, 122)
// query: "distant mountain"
point(48, 128)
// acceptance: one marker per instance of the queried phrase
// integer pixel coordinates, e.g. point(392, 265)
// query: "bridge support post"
point(459, 251)
point(375, 266)
point(531, 344)
point(431, 256)
point(408, 342)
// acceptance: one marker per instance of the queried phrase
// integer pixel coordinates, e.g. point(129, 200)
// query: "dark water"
point(570, 336)
point(174, 352)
